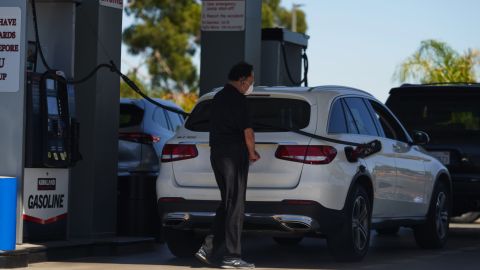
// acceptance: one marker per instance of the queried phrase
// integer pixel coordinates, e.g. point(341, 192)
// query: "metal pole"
point(294, 16)
point(222, 49)
point(12, 101)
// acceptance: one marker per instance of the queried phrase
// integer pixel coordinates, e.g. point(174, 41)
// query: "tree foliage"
point(437, 62)
point(274, 15)
point(167, 33)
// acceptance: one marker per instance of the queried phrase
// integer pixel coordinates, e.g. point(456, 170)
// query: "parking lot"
point(387, 252)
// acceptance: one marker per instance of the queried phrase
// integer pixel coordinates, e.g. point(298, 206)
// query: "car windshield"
point(440, 116)
point(268, 115)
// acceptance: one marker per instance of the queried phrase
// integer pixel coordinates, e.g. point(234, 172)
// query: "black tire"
point(434, 233)
point(182, 244)
point(469, 217)
point(388, 231)
point(288, 241)
point(351, 242)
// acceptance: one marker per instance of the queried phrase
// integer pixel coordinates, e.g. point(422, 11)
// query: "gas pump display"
point(52, 134)
point(56, 139)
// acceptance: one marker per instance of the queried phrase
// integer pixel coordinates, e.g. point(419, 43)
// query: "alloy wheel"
point(441, 215)
point(360, 223)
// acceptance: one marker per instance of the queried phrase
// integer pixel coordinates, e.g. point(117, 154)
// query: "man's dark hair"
point(239, 71)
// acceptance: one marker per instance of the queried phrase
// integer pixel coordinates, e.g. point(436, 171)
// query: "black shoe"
point(202, 255)
point(235, 263)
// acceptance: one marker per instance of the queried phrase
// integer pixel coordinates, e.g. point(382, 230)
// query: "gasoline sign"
point(45, 198)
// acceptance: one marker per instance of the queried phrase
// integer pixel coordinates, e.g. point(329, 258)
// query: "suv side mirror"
point(420, 137)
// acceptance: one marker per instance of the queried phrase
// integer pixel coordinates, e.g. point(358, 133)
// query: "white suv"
point(305, 186)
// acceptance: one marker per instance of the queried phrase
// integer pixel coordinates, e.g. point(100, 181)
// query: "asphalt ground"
point(386, 252)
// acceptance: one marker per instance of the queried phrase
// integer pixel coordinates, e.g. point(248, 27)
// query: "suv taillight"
point(174, 152)
point(138, 137)
point(308, 154)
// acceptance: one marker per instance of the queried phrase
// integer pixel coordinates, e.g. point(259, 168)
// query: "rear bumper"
point(261, 217)
point(466, 193)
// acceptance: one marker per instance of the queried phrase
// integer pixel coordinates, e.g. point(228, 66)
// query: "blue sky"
point(361, 43)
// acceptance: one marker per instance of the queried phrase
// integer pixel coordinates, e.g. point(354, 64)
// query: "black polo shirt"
point(229, 117)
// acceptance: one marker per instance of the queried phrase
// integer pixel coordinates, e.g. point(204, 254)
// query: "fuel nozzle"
point(363, 150)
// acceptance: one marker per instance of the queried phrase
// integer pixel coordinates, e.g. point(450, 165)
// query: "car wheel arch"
point(443, 177)
point(364, 179)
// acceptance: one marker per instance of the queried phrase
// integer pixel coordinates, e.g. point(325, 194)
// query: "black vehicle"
point(450, 114)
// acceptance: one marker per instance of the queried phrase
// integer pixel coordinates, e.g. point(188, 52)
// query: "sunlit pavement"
point(386, 252)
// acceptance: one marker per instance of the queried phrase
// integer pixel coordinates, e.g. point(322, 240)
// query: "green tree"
point(168, 33)
point(274, 15)
point(437, 62)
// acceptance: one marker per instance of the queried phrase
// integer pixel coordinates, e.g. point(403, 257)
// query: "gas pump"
point(51, 131)
point(51, 142)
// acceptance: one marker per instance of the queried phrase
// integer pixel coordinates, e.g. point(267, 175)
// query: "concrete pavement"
point(386, 252)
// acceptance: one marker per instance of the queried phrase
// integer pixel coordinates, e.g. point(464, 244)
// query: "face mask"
point(249, 90)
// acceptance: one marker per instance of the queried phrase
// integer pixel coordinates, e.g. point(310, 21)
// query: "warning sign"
point(223, 15)
point(10, 33)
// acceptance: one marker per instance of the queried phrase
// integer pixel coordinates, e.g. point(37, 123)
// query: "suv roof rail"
point(439, 83)
point(323, 87)
point(433, 86)
point(302, 88)
point(314, 88)
point(283, 88)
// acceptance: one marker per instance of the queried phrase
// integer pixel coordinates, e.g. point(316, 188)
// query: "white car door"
point(411, 176)
point(411, 180)
point(381, 165)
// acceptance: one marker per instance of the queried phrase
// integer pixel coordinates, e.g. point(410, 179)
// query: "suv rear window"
point(130, 115)
point(439, 115)
point(268, 115)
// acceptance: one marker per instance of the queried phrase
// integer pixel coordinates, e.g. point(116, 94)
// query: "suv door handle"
point(396, 147)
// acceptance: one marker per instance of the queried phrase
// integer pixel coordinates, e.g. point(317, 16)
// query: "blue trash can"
point(8, 212)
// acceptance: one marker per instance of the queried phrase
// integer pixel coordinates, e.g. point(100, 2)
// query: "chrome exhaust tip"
point(175, 219)
point(295, 223)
